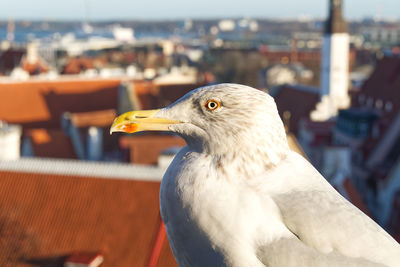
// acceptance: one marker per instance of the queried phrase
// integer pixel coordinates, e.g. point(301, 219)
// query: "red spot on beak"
point(129, 127)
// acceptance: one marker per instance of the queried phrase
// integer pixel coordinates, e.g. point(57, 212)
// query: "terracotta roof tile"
point(40, 104)
point(49, 216)
point(34, 68)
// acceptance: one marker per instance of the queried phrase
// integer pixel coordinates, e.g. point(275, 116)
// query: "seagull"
point(236, 195)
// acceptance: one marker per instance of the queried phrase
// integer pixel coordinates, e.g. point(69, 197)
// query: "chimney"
point(10, 141)
point(10, 31)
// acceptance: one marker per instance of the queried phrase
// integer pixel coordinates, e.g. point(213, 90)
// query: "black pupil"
point(212, 104)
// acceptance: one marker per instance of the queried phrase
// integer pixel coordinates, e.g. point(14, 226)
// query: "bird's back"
point(325, 221)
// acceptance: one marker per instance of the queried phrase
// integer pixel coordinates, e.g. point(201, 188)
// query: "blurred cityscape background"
point(72, 195)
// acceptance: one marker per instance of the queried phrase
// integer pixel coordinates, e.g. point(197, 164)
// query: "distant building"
point(10, 31)
point(310, 58)
point(371, 128)
point(278, 74)
point(387, 34)
point(10, 59)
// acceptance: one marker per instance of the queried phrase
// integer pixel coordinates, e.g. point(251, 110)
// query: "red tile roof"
point(34, 68)
point(46, 217)
point(321, 131)
point(382, 85)
point(298, 100)
point(40, 104)
point(77, 65)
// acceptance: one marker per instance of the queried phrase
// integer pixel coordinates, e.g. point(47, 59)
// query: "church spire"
point(334, 65)
point(335, 22)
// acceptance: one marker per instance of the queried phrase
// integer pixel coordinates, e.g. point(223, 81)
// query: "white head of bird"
point(224, 120)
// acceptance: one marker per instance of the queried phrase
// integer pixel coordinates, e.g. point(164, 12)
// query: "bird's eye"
point(212, 104)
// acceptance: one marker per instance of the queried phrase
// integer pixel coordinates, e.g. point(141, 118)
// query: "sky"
point(183, 9)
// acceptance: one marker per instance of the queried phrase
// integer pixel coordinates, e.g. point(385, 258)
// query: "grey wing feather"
point(328, 225)
point(291, 252)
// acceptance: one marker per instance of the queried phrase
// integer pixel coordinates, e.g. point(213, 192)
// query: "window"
point(388, 106)
point(361, 99)
point(375, 131)
point(370, 102)
point(379, 103)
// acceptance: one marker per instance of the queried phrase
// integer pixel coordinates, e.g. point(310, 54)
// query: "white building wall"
point(334, 77)
point(335, 68)
point(10, 141)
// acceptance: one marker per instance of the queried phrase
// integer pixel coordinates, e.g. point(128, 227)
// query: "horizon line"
point(94, 20)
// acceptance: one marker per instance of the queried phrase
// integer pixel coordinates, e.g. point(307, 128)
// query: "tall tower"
point(10, 31)
point(334, 65)
point(335, 55)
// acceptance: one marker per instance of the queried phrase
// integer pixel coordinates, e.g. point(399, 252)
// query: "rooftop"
point(53, 209)
point(288, 97)
point(40, 104)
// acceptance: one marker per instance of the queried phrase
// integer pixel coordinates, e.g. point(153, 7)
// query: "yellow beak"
point(141, 120)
